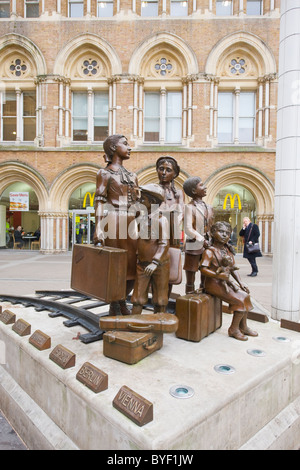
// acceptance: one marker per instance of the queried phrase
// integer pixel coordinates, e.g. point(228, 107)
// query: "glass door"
point(82, 223)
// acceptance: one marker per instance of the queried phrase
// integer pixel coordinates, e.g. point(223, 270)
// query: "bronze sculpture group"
point(148, 260)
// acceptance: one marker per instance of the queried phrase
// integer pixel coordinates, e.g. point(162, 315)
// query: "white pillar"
point(190, 108)
point(19, 115)
point(286, 260)
point(237, 112)
point(162, 115)
point(260, 109)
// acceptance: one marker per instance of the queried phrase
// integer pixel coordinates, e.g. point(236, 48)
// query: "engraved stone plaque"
point(40, 340)
point(63, 357)
point(92, 377)
point(22, 327)
point(7, 317)
point(134, 406)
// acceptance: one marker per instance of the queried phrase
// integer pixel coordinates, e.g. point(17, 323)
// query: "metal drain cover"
point(181, 391)
point(256, 352)
point(281, 339)
point(224, 369)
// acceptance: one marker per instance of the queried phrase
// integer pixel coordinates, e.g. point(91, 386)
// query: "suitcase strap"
point(151, 346)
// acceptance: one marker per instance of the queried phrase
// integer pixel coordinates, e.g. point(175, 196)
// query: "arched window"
point(87, 98)
point(163, 68)
point(241, 70)
point(17, 97)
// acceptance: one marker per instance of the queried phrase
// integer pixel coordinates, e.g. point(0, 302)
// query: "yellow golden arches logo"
point(91, 199)
point(232, 199)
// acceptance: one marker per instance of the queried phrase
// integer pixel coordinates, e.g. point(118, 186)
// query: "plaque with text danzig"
point(92, 377)
point(40, 340)
point(134, 406)
point(7, 317)
point(22, 327)
point(63, 357)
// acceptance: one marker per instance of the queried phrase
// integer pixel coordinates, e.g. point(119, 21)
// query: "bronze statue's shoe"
point(114, 309)
point(237, 334)
point(247, 331)
point(124, 308)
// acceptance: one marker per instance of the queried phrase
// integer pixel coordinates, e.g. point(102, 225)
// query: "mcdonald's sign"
point(232, 199)
point(91, 199)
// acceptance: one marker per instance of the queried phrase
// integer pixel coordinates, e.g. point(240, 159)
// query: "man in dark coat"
point(251, 234)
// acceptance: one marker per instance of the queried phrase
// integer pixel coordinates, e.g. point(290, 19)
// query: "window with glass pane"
point(4, 9)
point(32, 8)
point(100, 116)
point(149, 8)
point(224, 7)
point(80, 117)
point(29, 119)
point(247, 117)
point(9, 117)
point(179, 8)
point(225, 117)
point(254, 7)
point(75, 8)
point(105, 8)
point(152, 117)
point(174, 117)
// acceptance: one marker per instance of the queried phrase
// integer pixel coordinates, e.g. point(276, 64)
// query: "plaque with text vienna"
point(134, 406)
point(63, 357)
point(7, 317)
point(40, 340)
point(92, 377)
point(22, 327)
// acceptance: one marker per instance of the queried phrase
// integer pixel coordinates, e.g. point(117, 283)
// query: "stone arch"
point(260, 186)
point(252, 44)
point(16, 42)
point(91, 43)
point(11, 172)
point(166, 42)
point(69, 180)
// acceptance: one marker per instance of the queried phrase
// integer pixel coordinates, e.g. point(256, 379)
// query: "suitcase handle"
point(140, 328)
point(151, 346)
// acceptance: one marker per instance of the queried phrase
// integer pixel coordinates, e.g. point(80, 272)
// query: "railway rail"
point(74, 306)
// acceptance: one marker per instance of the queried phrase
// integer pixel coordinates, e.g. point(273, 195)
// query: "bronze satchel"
point(175, 276)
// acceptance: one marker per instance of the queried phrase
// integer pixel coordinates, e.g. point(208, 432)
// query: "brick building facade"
point(194, 79)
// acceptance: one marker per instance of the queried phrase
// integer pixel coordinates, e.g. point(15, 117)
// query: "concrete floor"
point(24, 272)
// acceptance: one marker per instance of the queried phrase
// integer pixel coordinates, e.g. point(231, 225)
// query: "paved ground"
point(24, 272)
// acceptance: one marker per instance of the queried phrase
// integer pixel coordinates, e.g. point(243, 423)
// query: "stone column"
point(286, 261)
point(54, 232)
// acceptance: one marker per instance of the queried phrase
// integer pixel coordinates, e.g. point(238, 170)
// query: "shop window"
point(75, 8)
point(105, 8)
point(149, 8)
point(224, 7)
point(236, 117)
point(31, 8)
point(90, 116)
point(18, 116)
point(179, 8)
point(163, 117)
point(254, 7)
point(4, 8)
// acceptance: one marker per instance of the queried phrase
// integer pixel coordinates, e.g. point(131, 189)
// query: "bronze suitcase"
point(129, 347)
point(198, 316)
point(156, 322)
point(99, 272)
